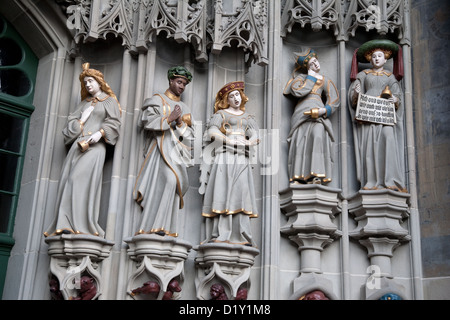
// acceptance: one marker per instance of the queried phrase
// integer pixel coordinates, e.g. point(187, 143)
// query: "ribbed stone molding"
point(156, 258)
point(73, 256)
point(309, 209)
point(224, 263)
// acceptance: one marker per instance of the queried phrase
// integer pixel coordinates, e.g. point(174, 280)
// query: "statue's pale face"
point(92, 86)
point(234, 99)
point(378, 59)
point(314, 65)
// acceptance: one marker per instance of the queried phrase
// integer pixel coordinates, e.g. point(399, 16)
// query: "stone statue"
point(88, 290)
point(311, 135)
point(174, 286)
point(314, 295)
point(95, 123)
point(378, 147)
point(226, 179)
point(217, 292)
point(55, 292)
point(162, 180)
point(152, 288)
point(241, 294)
point(149, 287)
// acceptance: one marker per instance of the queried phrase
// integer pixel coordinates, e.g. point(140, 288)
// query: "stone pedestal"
point(73, 256)
point(158, 259)
point(379, 214)
point(310, 209)
point(226, 264)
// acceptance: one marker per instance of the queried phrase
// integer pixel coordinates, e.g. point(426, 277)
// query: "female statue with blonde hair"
point(226, 177)
point(94, 123)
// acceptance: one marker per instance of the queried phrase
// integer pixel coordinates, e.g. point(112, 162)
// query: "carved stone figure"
point(88, 290)
point(95, 123)
point(314, 295)
point(241, 294)
point(378, 147)
point(149, 287)
point(174, 286)
point(217, 292)
point(163, 180)
point(311, 136)
point(55, 292)
point(226, 177)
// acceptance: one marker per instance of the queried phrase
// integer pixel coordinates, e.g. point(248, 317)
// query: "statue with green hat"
point(378, 147)
point(162, 180)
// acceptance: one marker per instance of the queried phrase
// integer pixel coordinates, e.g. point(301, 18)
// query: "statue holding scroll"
point(378, 146)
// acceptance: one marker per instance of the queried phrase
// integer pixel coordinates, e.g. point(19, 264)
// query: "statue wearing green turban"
point(162, 180)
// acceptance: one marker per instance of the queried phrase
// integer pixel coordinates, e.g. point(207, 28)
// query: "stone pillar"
point(309, 209)
point(159, 266)
point(75, 265)
point(378, 214)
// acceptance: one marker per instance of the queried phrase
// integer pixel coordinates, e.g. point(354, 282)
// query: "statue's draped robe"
point(229, 200)
point(162, 180)
point(310, 140)
point(378, 148)
point(80, 184)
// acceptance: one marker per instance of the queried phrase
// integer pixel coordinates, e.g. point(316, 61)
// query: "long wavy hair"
point(98, 76)
point(222, 103)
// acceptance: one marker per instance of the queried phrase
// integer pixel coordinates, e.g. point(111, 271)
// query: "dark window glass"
point(5, 208)
point(11, 131)
point(10, 52)
point(14, 82)
point(8, 167)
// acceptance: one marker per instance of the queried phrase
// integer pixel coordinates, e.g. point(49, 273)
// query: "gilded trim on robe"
point(229, 212)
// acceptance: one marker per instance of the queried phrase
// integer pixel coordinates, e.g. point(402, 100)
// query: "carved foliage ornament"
point(137, 22)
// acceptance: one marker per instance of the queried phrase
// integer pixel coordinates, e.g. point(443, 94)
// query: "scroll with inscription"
point(375, 110)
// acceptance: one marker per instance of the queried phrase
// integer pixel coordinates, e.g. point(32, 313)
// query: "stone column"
point(309, 209)
point(378, 214)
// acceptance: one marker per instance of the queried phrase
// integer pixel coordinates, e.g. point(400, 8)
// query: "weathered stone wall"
point(430, 24)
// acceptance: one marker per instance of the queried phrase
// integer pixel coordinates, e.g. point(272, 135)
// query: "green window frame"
point(18, 68)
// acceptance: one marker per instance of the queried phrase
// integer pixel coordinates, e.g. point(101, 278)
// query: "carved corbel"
point(226, 264)
point(73, 257)
point(158, 261)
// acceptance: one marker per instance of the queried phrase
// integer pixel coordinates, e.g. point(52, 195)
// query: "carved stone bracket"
point(226, 264)
point(74, 256)
point(158, 259)
point(309, 209)
point(379, 214)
